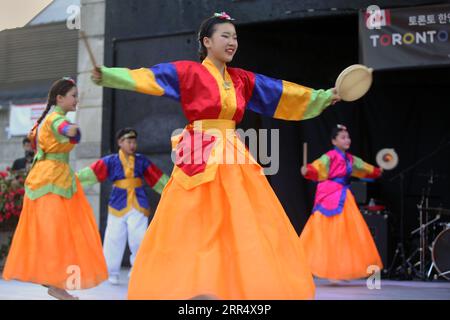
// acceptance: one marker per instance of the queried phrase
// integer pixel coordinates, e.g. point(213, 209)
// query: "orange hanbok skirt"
point(229, 238)
point(57, 243)
point(340, 247)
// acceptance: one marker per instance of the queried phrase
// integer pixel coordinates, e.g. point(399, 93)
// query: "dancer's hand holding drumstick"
point(96, 71)
point(304, 170)
point(96, 74)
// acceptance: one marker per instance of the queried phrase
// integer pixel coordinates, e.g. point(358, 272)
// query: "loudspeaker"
point(378, 224)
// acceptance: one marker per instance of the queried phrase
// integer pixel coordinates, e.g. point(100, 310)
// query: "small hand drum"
point(387, 159)
point(354, 82)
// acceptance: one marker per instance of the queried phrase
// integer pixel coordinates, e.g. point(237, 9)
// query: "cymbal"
point(440, 210)
point(387, 159)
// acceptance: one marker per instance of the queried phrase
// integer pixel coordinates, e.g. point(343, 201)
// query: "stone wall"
point(89, 113)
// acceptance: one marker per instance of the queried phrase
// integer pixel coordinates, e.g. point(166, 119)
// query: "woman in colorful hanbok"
point(56, 242)
point(219, 228)
point(336, 239)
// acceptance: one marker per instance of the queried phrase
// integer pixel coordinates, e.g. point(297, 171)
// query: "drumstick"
point(88, 47)
point(305, 154)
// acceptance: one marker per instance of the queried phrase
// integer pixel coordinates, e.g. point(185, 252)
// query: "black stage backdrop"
point(408, 110)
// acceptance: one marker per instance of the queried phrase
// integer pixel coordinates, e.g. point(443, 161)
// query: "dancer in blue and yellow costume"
point(128, 208)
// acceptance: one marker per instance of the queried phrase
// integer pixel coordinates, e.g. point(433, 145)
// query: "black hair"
point(59, 87)
point(121, 132)
point(336, 129)
point(207, 30)
point(25, 140)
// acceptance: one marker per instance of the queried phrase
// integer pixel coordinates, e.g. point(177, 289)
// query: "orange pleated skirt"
point(340, 247)
point(57, 243)
point(229, 238)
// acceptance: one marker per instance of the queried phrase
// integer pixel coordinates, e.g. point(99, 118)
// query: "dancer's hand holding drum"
point(336, 97)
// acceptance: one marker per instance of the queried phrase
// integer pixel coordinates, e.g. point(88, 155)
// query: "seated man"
point(25, 162)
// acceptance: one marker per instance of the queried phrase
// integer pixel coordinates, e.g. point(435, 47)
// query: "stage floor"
point(353, 290)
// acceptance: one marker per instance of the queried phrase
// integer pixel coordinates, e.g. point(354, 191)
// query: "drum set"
point(435, 255)
point(432, 255)
point(430, 258)
point(441, 252)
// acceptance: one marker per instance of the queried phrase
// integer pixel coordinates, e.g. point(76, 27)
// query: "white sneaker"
point(114, 280)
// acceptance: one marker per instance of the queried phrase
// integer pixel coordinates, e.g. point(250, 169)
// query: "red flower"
point(11, 195)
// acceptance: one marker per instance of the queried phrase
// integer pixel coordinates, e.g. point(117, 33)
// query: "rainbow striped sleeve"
point(286, 100)
point(60, 127)
point(319, 169)
point(361, 169)
point(154, 177)
point(159, 80)
point(95, 173)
